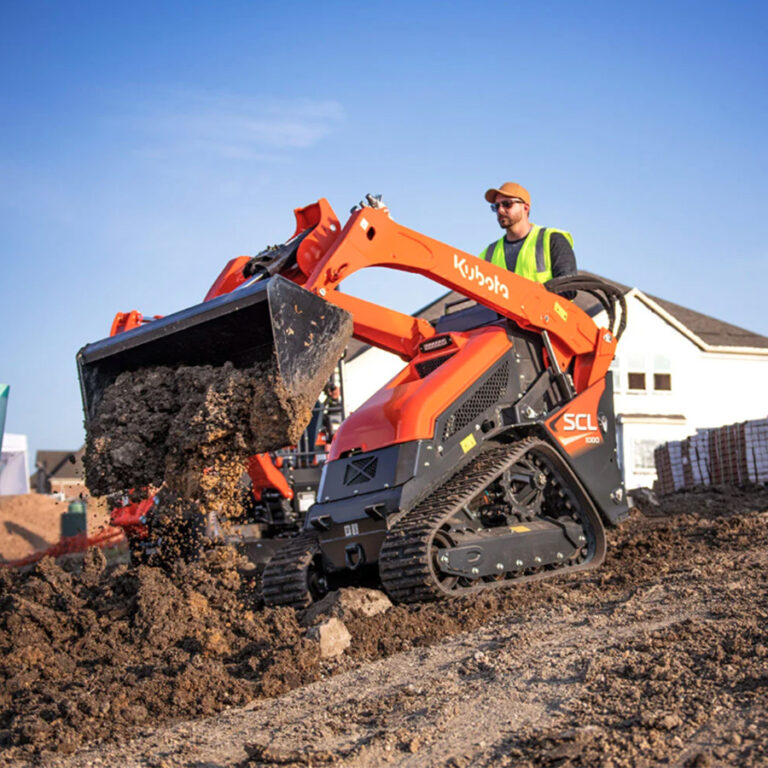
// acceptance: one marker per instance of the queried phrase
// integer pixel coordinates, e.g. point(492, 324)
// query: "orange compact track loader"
point(489, 460)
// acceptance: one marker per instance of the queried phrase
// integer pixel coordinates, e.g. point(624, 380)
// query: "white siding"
point(646, 339)
point(367, 374)
point(730, 388)
point(709, 389)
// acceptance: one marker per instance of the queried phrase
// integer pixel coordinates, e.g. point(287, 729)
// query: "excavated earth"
point(191, 428)
point(660, 657)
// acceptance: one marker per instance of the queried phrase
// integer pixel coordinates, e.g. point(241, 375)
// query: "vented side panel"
point(488, 395)
point(361, 470)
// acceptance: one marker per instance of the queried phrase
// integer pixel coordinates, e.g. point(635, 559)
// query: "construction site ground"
point(31, 522)
point(660, 657)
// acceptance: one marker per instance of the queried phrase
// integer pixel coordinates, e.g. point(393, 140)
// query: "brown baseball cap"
point(508, 189)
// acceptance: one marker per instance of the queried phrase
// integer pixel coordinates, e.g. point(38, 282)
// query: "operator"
point(332, 410)
point(538, 253)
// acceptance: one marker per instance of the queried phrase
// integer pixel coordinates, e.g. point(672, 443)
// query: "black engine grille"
point(487, 396)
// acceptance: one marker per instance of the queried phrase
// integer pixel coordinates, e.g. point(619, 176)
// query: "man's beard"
point(509, 220)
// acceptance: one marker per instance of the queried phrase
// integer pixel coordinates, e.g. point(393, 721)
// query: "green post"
point(73, 521)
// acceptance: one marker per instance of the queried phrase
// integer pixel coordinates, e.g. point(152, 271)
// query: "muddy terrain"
point(660, 657)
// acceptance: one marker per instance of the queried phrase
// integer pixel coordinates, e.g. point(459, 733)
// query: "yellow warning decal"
point(468, 443)
point(561, 311)
point(519, 528)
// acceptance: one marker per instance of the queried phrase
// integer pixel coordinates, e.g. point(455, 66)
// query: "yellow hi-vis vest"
point(534, 260)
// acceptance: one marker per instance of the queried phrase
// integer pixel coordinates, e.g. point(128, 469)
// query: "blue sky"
point(143, 145)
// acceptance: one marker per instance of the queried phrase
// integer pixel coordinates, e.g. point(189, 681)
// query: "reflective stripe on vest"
point(534, 258)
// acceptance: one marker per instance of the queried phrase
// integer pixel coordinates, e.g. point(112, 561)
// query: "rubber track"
point(404, 560)
point(285, 576)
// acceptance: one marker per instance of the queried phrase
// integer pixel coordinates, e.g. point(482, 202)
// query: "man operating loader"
point(537, 253)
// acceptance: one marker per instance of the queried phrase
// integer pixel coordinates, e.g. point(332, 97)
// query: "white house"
point(676, 371)
point(14, 472)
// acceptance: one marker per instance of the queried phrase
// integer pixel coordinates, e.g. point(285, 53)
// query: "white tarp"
point(14, 473)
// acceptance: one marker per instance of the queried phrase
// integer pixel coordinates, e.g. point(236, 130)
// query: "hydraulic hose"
point(608, 295)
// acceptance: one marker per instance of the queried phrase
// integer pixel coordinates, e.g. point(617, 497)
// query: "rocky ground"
point(660, 657)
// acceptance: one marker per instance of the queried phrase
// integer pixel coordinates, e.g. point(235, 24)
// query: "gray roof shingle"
point(68, 471)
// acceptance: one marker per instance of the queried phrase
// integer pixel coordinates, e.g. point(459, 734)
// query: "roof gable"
point(706, 331)
point(48, 460)
point(715, 333)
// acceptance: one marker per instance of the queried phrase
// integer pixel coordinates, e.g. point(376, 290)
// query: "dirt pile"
point(92, 655)
point(652, 695)
point(191, 428)
point(697, 687)
point(102, 656)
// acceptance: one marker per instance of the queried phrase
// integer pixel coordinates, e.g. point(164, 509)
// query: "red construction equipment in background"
point(108, 538)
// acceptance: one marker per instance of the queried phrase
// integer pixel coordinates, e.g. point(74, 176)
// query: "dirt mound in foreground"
point(91, 655)
point(100, 656)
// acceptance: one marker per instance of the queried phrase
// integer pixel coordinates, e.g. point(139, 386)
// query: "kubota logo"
point(475, 274)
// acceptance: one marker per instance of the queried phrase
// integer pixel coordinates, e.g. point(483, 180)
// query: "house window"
point(662, 374)
point(637, 367)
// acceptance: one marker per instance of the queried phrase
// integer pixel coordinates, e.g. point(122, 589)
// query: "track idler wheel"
point(294, 575)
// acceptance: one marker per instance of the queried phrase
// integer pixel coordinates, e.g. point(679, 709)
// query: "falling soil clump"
point(191, 428)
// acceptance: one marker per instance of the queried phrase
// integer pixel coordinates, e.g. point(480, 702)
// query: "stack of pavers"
point(665, 481)
point(756, 439)
point(698, 453)
point(732, 455)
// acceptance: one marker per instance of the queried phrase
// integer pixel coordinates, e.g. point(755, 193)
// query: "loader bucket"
point(272, 320)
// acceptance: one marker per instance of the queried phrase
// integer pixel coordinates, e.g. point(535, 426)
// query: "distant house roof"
point(68, 471)
point(713, 332)
point(355, 348)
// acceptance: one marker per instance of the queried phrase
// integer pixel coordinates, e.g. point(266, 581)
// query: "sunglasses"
point(505, 204)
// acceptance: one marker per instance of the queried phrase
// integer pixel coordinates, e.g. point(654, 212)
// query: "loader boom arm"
point(326, 254)
point(372, 239)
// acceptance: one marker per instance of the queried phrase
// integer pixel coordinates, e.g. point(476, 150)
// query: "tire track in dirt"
point(399, 709)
